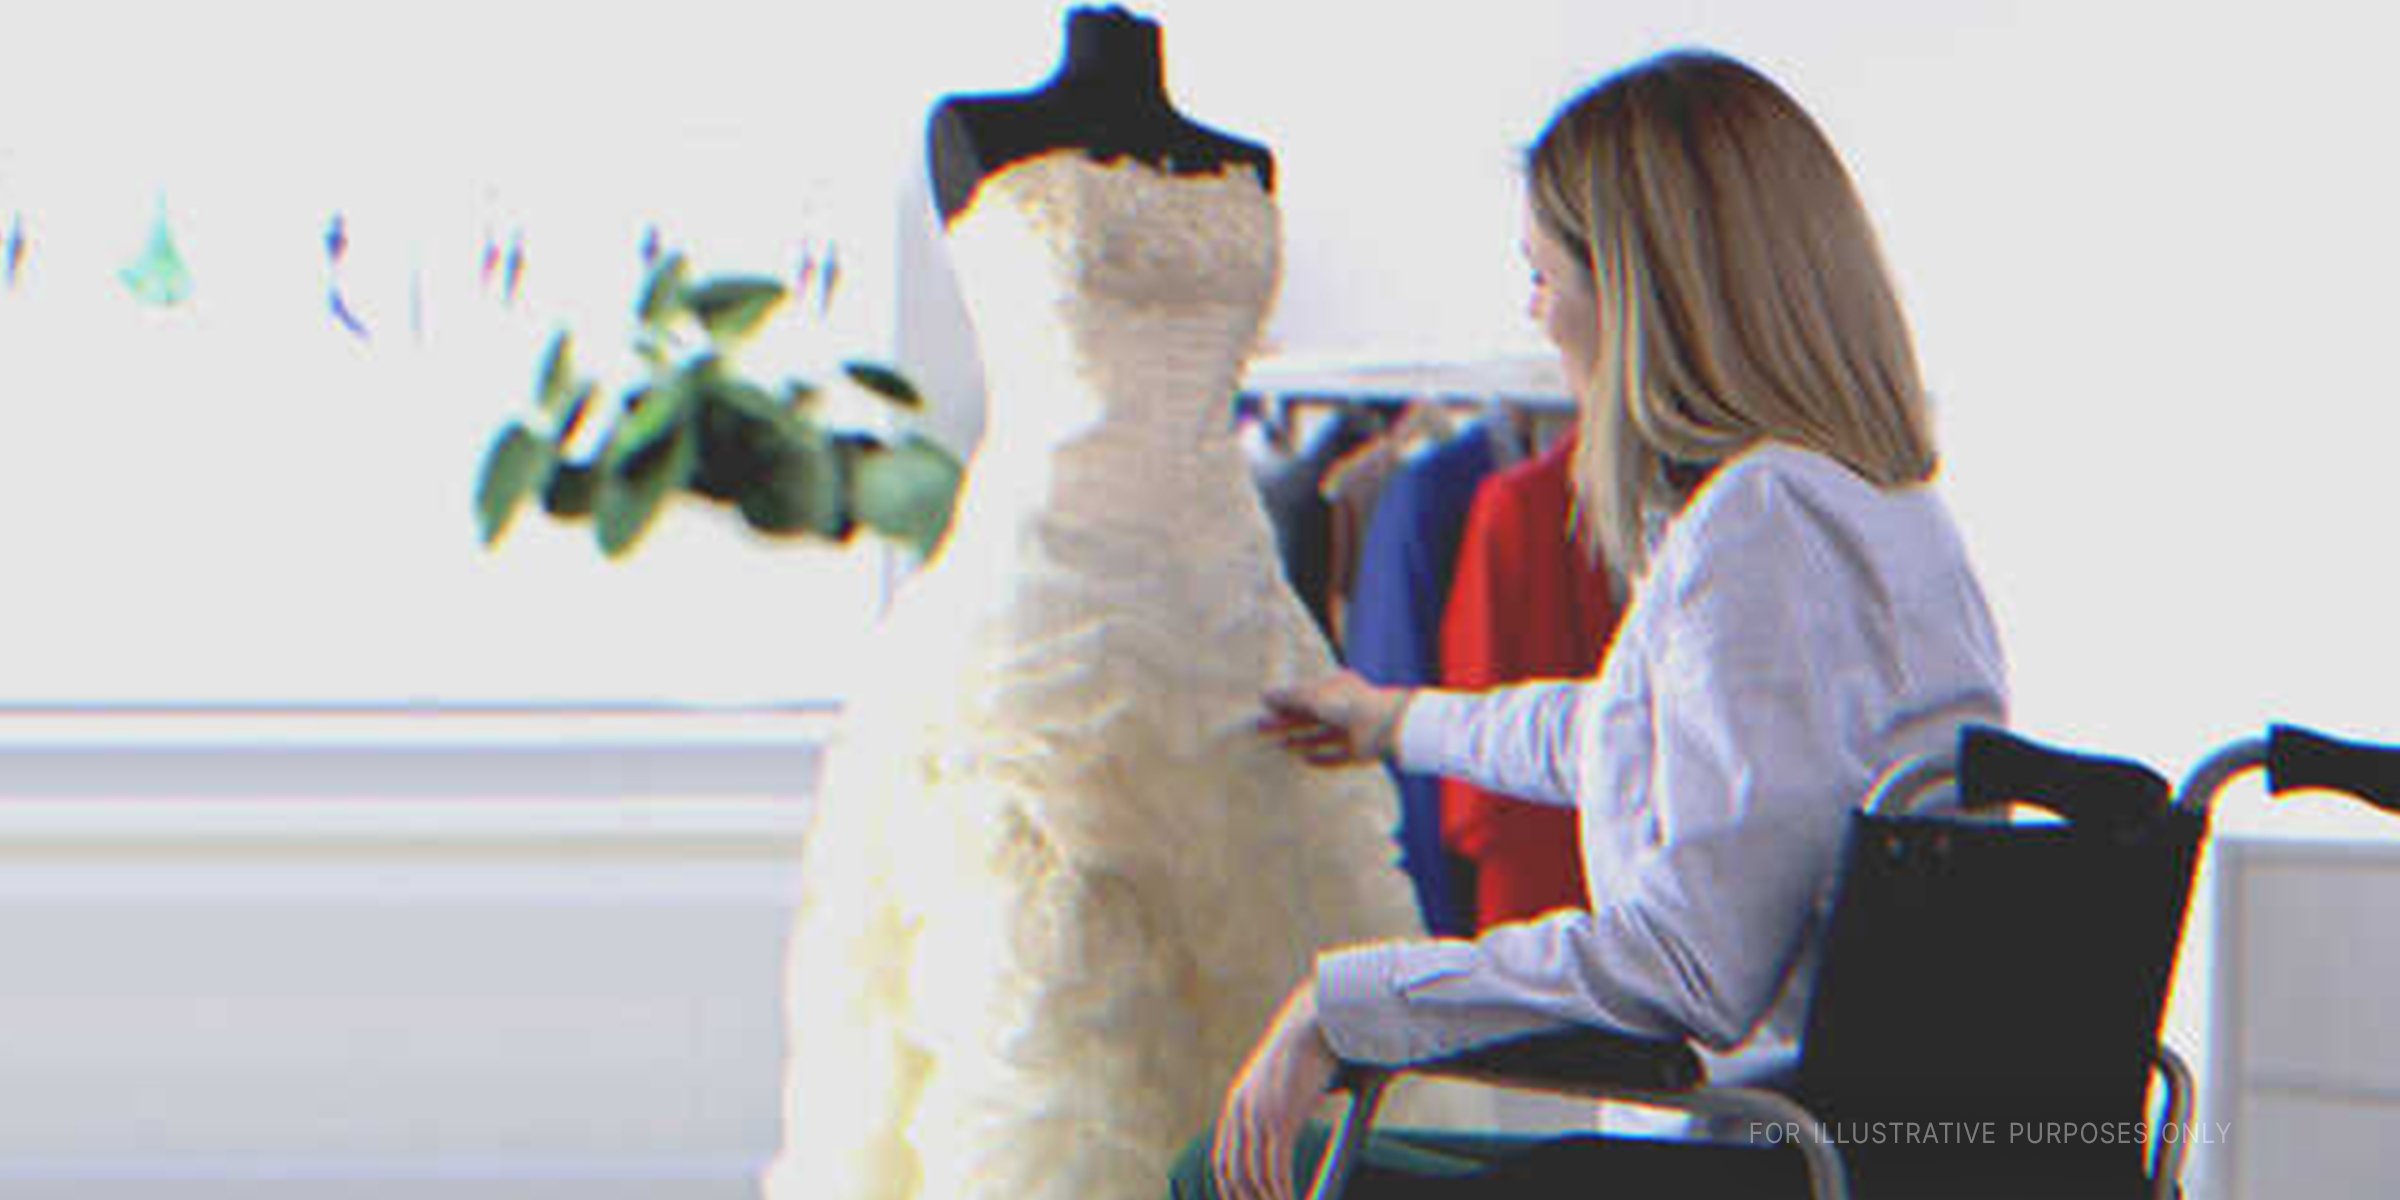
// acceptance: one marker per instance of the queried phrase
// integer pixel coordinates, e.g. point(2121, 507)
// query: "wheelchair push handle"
point(1992, 766)
point(1997, 767)
point(2300, 759)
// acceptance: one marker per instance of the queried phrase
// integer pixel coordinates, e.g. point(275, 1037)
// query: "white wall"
point(2144, 245)
point(239, 503)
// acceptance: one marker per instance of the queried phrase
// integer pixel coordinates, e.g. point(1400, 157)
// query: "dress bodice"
point(1114, 304)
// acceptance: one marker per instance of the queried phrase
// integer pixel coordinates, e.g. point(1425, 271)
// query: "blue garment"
point(1394, 630)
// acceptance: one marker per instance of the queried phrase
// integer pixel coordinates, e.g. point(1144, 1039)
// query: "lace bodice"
point(1115, 304)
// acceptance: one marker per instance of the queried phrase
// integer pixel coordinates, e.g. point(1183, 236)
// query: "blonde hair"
point(1741, 293)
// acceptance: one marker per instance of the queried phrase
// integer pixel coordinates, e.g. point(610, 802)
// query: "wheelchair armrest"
point(1590, 1063)
point(1582, 1062)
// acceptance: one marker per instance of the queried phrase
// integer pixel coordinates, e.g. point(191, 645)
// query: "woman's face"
point(1563, 303)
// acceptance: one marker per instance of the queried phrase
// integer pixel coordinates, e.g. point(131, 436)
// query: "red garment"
point(1526, 603)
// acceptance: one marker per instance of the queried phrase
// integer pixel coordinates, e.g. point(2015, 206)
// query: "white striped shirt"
point(1799, 631)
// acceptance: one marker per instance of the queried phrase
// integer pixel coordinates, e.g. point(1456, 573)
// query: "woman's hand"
point(1335, 721)
point(1270, 1101)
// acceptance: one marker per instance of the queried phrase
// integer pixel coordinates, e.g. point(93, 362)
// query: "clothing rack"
point(1293, 396)
point(1524, 381)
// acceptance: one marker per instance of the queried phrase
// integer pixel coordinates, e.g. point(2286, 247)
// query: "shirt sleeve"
point(1750, 782)
point(1516, 740)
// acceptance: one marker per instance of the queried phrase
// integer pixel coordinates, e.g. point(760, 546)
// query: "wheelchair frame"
point(1602, 1065)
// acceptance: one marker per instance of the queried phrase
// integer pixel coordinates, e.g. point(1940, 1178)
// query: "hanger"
point(1422, 426)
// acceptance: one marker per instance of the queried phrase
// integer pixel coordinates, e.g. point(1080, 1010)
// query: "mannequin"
point(1108, 97)
point(1055, 881)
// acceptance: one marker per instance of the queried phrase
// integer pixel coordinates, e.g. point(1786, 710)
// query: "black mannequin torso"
point(1108, 98)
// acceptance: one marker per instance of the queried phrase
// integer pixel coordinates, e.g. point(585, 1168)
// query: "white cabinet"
point(447, 970)
point(2304, 1021)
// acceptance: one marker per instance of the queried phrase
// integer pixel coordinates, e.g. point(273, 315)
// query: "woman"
point(1754, 456)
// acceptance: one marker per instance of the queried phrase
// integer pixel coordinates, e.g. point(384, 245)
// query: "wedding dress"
point(1056, 885)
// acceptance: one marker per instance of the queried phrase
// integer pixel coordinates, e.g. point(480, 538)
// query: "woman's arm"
point(1768, 662)
point(1518, 740)
point(1693, 940)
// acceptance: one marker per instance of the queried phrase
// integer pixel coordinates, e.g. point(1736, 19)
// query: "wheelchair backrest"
point(2002, 980)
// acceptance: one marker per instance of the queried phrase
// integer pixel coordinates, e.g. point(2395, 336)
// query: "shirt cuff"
point(1428, 727)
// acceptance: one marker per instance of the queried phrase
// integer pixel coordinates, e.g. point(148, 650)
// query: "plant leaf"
point(732, 307)
point(555, 387)
point(516, 465)
point(885, 382)
point(656, 412)
point(663, 292)
point(805, 487)
point(577, 409)
point(748, 398)
point(905, 491)
point(631, 495)
point(741, 433)
point(572, 489)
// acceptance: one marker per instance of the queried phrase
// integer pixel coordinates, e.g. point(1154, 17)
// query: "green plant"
point(697, 425)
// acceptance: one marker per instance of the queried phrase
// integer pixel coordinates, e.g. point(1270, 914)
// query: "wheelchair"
point(1995, 965)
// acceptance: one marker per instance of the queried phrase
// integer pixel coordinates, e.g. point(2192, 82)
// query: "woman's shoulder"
point(1770, 479)
point(1814, 509)
point(1772, 467)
